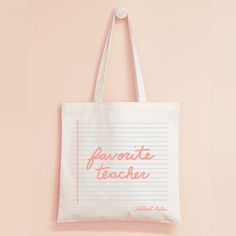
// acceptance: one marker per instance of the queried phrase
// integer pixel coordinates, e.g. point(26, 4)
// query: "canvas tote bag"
point(119, 160)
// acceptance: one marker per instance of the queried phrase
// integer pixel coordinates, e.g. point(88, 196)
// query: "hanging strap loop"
point(120, 13)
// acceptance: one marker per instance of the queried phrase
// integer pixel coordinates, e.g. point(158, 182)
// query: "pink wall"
point(187, 53)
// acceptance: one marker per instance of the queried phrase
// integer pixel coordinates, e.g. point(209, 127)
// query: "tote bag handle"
point(120, 13)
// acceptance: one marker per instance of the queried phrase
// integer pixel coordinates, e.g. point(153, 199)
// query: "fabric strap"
point(99, 89)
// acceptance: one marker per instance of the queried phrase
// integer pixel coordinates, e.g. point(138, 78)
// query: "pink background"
point(49, 54)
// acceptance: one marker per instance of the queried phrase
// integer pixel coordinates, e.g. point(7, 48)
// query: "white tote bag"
point(119, 160)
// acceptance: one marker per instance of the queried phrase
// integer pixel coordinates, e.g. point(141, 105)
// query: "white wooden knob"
point(121, 13)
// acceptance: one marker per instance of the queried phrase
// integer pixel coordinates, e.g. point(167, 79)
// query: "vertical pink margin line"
point(77, 162)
